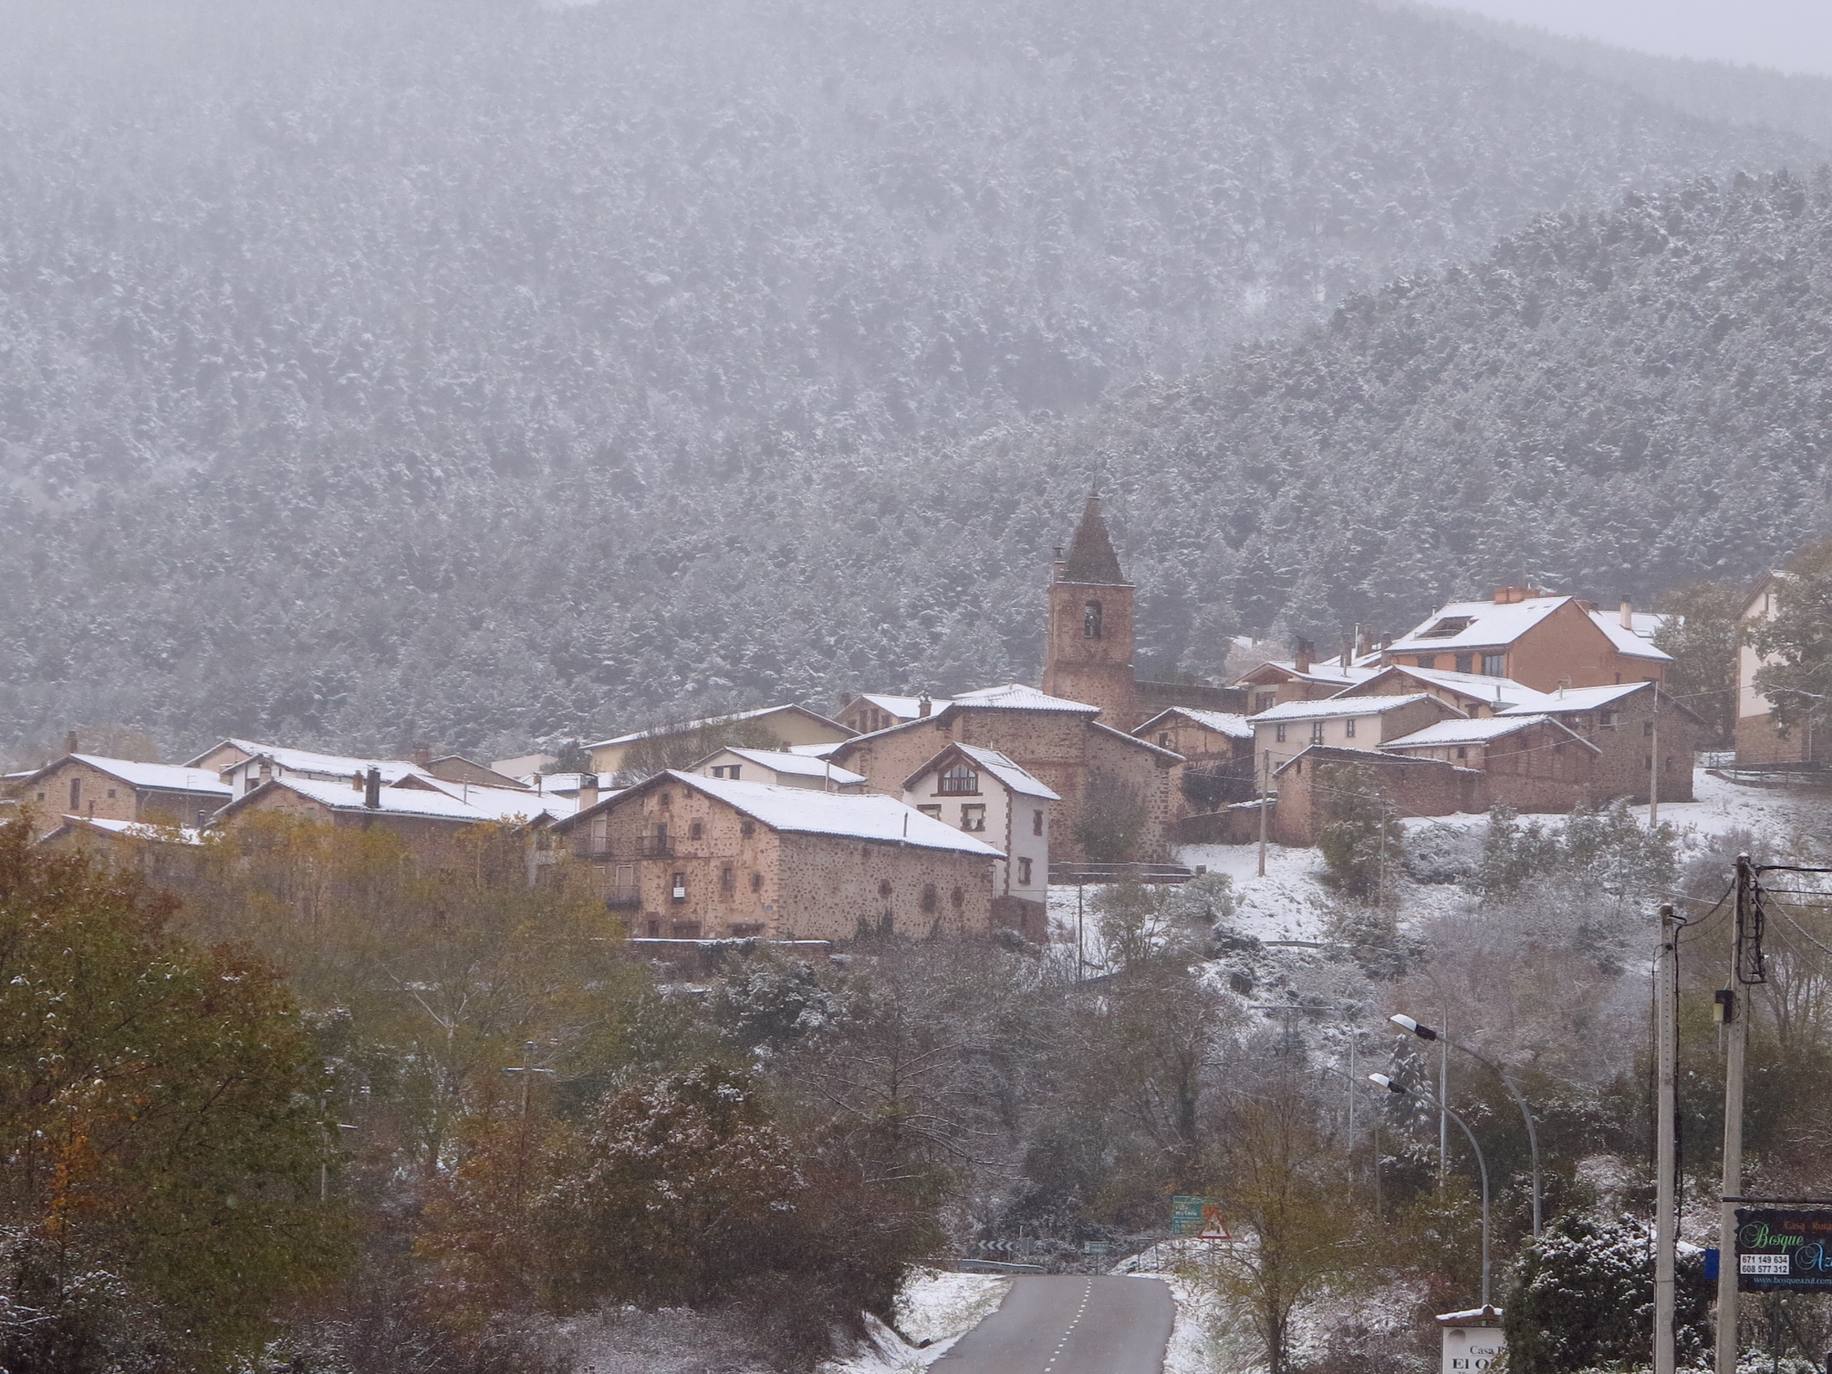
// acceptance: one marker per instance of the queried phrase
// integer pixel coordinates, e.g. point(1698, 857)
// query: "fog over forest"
point(486, 372)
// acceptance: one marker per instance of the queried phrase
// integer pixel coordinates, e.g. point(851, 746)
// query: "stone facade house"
point(1217, 749)
point(1409, 785)
point(683, 856)
point(1620, 722)
point(987, 795)
point(1533, 763)
point(90, 786)
point(1471, 693)
point(1277, 681)
point(1061, 743)
point(165, 855)
point(1531, 637)
point(1284, 732)
point(871, 711)
point(780, 767)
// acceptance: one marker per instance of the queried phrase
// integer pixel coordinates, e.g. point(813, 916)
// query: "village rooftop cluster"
point(912, 815)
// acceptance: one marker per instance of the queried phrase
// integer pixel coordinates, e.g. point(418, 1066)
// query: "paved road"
point(1069, 1325)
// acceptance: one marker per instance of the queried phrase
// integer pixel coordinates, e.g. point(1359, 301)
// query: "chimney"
point(924, 706)
point(372, 789)
point(356, 781)
point(588, 790)
point(422, 756)
point(70, 745)
point(1301, 660)
point(1506, 596)
point(1628, 615)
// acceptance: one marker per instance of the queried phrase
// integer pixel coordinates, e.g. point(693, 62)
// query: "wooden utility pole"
point(1735, 1012)
point(1265, 785)
point(1665, 1216)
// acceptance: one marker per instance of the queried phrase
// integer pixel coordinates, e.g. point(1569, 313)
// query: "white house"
point(780, 767)
point(1346, 722)
point(984, 793)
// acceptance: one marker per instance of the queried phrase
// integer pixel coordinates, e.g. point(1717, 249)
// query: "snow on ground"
point(935, 1306)
point(1289, 903)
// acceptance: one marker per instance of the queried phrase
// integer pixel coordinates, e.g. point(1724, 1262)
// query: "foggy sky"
point(1794, 35)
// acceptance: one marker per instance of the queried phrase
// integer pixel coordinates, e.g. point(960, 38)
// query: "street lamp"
point(1481, 1164)
point(1425, 1032)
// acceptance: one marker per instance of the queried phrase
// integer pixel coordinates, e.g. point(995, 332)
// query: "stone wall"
point(1411, 786)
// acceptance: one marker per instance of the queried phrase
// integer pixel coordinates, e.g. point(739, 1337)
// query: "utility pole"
point(1735, 1012)
point(1665, 1218)
point(1265, 783)
point(1443, 1104)
point(1654, 766)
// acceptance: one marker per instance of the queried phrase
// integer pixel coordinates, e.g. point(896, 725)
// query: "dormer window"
point(1448, 628)
point(959, 780)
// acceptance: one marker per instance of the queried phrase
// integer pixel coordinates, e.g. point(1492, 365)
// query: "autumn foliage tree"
point(160, 1122)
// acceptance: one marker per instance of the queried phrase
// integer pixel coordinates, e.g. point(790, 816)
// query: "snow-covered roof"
point(817, 751)
point(1001, 766)
point(708, 722)
point(1015, 696)
point(497, 803)
point(1477, 624)
point(850, 815)
point(785, 761)
point(1329, 673)
point(1497, 691)
point(1339, 753)
point(1483, 731)
point(311, 761)
point(902, 707)
point(160, 777)
point(1221, 722)
point(1570, 700)
point(1331, 708)
point(1630, 639)
point(554, 782)
point(140, 830)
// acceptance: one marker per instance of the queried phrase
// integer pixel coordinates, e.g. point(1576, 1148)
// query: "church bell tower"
point(1087, 653)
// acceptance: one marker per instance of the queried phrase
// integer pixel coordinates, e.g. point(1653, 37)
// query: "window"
point(756, 882)
point(1037, 821)
point(1448, 628)
point(696, 829)
point(1264, 701)
point(1466, 663)
point(1024, 872)
point(41, 794)
point(747, 828)
point(1163, 739)
point(1428, 660)
point(655, 929)
point(884, 887)
point(1495, 665)
point(957, 898)
point(1348, 728)
point(728, 880)
point(1316, 732)
point(1647, 729)
point(973, 817)
point(1462, 751)
point(680, 887)
point(929, 898)
point(76, 793)
point(960, 780)
point(1091, 620)
point(665, 800)
point(1606, 720)
point(111, 794)
point(933, 812)
point(1278, 734)
point(732, 769)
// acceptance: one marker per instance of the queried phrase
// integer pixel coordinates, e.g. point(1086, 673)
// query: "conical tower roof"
point(1091, 556)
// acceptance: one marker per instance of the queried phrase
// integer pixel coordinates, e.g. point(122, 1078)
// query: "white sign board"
point(1471, 1349)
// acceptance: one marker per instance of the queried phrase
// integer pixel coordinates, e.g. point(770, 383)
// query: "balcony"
point(654, 847)
point(623, 898)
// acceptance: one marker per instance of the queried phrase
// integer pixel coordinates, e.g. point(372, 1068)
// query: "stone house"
point(1531, 637)
point(1619, 721)
point(1471, 693)
point(90, 786)
point(1061, 743)
point(778, 766)
point(1283, 732)
point(1217, 748)
point(1409, 785)
point(1533, 762)
point(163, 854)
point(871, 711)
point(987, 795)
point(777, 726)
point(1302, 678)
point(683, 856)
point(1758, 742)
point(245, 764)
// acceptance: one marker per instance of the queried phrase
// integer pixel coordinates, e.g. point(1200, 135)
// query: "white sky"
point(1795, 35)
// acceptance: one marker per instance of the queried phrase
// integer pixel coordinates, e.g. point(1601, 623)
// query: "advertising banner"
point(1784, 1250)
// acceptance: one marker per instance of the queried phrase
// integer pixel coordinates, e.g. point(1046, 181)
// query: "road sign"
point(1214, 1225)
point(1186, 1214)
point(1784, 1251)
point(1095, 1247)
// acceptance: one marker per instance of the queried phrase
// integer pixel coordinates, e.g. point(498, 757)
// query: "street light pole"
point(1425, 1032)
point(1481, 1164)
